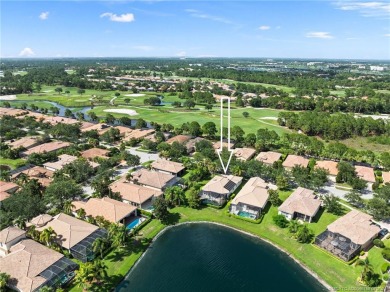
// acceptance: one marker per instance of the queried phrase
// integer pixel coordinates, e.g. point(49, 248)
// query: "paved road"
point(143, 155)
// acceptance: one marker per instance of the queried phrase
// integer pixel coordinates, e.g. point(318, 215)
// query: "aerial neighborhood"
point(86, 185)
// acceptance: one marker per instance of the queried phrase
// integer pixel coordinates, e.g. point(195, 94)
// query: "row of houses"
point(344, 238)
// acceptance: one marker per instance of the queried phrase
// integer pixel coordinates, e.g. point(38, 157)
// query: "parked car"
point(383, 232)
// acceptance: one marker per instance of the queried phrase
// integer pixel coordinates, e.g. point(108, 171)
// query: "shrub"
point(362, 252)
point(386, 253)
point(385, 267)
point(379, 243)
point(280, 221)
point(386, 277)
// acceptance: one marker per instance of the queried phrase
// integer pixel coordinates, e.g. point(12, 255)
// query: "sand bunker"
point(7, 97)
point(122, 111)
point(135, 94)
point(269, 118)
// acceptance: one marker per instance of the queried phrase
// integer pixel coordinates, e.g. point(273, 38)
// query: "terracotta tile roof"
point(10, 233)
point(8, 187)
point(134, 193)
point(217, 145)
point(268, 157)
point(330, 166)
point(153, 179)
point(365, 173)
point(244, 153)
point(40, 220)
point(59, 120)
point(356, 226)
point(4, 196)
point(84, 125)
point(25, 142)
point(12, 112)
point(168, 166)
point(100, 128)
point(179, 138)
point(138, 134)
point(219, 184)
point(111, 210)
point(63, 160)
point(253, 193)
point(26, 261)
point(95, 152)
point(43, 175)
point(70, 230)
point(47, 147)
point(301, 201)
point(293, 160)
point(386, 177)
point(123, 130)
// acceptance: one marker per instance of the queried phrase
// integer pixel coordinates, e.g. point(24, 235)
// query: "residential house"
point(74, 235)
point(295, 160)
point(191, 144)
point(43, 175)
point(386, 177)
point(302, 204)
point(268, 157)
point(25, 142)
point(154, 179)
point(92, 153)
point(218, 145)
point(138, 134)
point(136, 195)
point(244, 154)
point(46, 148)
point(182, 139)
point(348, 235)
point(123, 131)
point(63, 159)
point(330, 166)
point(32, 266)
point(112, 210)
point(100, 128)
point(251, 199)
point(8, 237)
point(8, 187)
point(168, 166)
point(367, 174)
point(218, 190)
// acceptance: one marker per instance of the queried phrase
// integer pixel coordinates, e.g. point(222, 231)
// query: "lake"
point(208, 257)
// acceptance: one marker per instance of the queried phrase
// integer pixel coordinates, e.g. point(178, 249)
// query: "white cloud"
point(26, 52)
point(199, 14)
point(319, 35)
point(367, 8)
point(387, 35)
point(143, 48)
point(127, 17)
point(44, 15)
point(264, 27)
point(181, 54)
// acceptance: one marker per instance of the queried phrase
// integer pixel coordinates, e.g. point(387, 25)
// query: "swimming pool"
point(246, 215)
point(134, 223)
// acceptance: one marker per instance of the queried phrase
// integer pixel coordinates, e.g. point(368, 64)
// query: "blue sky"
point(285, 29)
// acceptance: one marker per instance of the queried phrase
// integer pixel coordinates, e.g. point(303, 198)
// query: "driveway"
point(143, 155)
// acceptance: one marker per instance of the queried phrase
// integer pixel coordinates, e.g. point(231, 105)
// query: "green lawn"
point(332, 270)
point(13, 163)
point(165, 114)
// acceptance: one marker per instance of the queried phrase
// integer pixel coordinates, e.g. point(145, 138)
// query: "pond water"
point(207, 257)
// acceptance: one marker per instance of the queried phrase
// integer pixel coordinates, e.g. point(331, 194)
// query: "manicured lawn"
point(375, 257)
point(13, 163)
point(164, 114)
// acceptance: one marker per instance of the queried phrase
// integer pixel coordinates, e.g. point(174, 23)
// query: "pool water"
point(246, 215)
point(134, 223)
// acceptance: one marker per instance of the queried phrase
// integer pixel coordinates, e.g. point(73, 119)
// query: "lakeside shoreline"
point(166, 228)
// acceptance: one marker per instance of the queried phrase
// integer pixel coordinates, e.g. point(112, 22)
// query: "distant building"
point(295, 160)
point(47, 147)
point(268, 157)
point(244, 154)
point(154, 179)
point(330, 166)
point(168, 166)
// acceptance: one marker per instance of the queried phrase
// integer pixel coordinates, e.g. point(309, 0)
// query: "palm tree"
point(46, 289)
point(99, 245)
point(81, 213)
point(293, 226)
point(68, 207)
point(84, 276)
point(47, 236)
point(99, 269)
point(4, 278)
point(33, 233)
point(118, 234)
point(367, 268)
point(20, 222)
